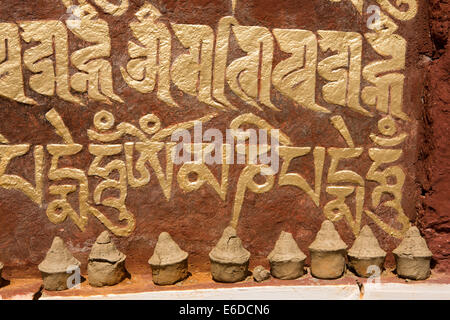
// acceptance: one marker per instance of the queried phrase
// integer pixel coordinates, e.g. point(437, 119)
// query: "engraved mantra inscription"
point(341, 183)
point(204, 72)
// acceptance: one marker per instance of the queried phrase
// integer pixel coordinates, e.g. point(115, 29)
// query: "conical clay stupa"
point(229, 259)
point(169, 263)
point(57, 266)
point(286, 259)
point(413, 256)
point(328, 253)
point(365, 255)
point(106, 265)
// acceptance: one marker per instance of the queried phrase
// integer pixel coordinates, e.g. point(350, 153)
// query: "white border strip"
point(390, 291)
point(411, 291)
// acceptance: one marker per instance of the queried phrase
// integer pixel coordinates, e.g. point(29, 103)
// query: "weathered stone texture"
point(434, 164)
point(197, 219)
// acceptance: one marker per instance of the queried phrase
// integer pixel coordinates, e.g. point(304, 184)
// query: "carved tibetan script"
point(100, 99)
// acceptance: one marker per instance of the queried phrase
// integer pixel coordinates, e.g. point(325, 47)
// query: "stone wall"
point(54, 109)
point(434, 217)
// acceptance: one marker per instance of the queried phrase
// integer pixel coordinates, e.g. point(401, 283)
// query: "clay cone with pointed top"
point(229, 259)
point(106, 266)
point(286, 259)
point(328, 253)
point(366, 256)
point(58, 265)
point(169, 263)
point(413, 256)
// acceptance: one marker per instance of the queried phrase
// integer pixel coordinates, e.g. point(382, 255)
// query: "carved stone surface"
point(106, 266)
point(366, 257)
point(328, 253)
point(286, 259)
point(434, 206)
point(413, 256)
point(229, 259)
point(57, 266)
point(169, 263)
point(88, 106)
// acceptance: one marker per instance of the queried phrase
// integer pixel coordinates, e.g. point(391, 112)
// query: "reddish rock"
point(198, 217)
point(434, 164)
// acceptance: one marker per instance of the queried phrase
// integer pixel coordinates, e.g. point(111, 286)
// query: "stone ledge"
point(201, 286)
point(385, 291)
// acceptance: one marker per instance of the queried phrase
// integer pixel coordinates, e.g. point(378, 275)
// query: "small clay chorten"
point(106, 265)
point(169, 263)
point(286, 259)
point(327, 253)
point(229, 259)
point(260, 274)
point(57, 266)
point(413, 256)
point(366, 252)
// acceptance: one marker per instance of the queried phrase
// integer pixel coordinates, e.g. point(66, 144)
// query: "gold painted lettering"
point(343, 69)
point(294, 179)
point(296, 76)
point(150, 61)
point(243, 73)
point(220, 59)
point(48, 75)
point(380, 157)
point(95, 72)
point(192, 73)
point(337, 209)
point(11, 78)
point(118, 203)
point(386, 92)
point(203, 173)
point(246, 181)
point(9, 181)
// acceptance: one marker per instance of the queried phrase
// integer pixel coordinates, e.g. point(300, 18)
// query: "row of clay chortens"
point(230, 260)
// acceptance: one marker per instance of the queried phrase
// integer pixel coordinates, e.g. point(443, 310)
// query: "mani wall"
point(93, 91)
